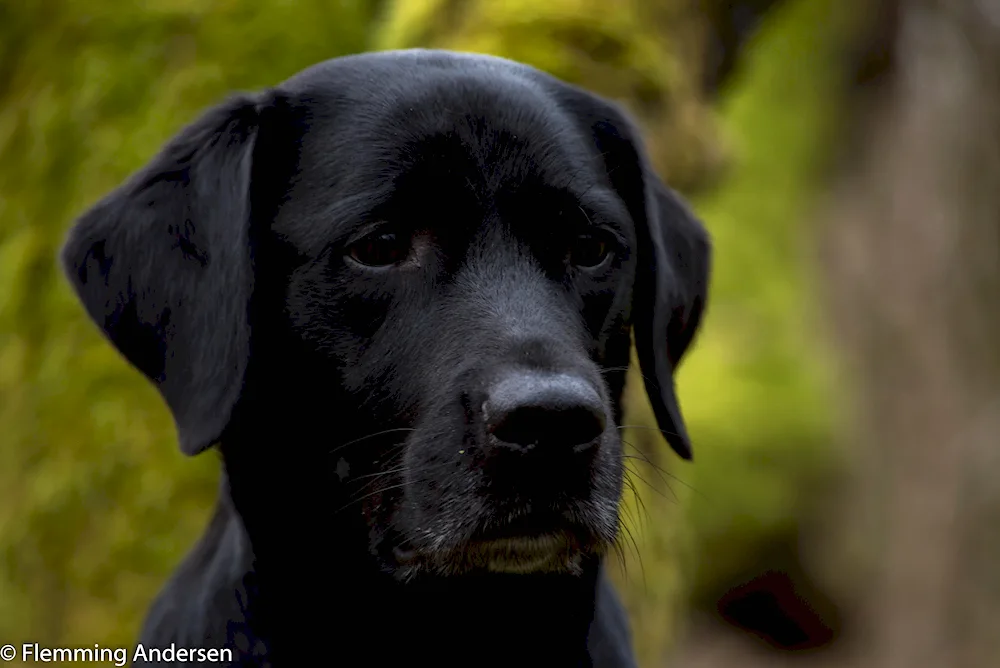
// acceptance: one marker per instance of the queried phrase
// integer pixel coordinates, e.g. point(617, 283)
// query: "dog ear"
point(162, 264)
point(673, 258)
point(669, 299)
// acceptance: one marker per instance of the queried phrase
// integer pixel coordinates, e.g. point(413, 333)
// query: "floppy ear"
point(162, 264)
point(669, 298)
point(672, 265)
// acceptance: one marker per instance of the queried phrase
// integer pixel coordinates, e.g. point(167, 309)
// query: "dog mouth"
point(525, 542)
point(547, 552)
point(551, 552)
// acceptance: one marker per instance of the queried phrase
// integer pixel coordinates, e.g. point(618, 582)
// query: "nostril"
point(535, 425)
point(551, 410)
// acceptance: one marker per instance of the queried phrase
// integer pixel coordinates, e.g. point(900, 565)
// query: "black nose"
point(544, 410)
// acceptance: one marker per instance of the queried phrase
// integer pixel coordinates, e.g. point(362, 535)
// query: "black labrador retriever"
point(397, 293)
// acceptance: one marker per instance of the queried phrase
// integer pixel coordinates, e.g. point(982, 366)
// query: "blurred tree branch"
point(731, 24)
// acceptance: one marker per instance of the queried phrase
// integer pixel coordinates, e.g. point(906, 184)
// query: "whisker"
point(659, 469)
point(620, 554)
point(633, 472)
point(626, 534)
point(638, 557)
point(366, 496)
point(644, 460)
point(390, 461)
point(637, 370)
point(381, 475)
point(656, 469)
point(638, 498)
point(365, 438)
point(378, 474)
point(646, 426)
point(628, 510)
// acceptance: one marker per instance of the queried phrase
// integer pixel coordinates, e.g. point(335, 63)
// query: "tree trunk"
point(911, 253)
point(913, 260)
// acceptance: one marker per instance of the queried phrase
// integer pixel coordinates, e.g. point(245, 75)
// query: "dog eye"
point(589, 250)
point(380, 249)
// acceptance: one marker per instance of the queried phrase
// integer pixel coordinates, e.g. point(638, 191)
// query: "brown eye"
point(589, 250)
point(380, 249)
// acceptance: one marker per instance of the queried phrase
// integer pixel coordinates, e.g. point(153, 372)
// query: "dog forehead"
point(478, 121)
point(387, 107)
point(367, 75)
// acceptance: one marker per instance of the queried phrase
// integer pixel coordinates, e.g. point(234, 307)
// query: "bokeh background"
point(843, 395)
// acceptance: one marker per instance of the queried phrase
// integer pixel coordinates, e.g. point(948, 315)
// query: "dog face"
point(458, 249)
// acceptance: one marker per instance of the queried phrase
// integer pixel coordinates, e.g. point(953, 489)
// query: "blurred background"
point(843, 506)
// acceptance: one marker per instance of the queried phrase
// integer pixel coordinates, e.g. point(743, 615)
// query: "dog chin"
point(548, 553)
point(558, 552)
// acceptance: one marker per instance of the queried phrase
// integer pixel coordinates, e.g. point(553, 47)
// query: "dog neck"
point(313, 580)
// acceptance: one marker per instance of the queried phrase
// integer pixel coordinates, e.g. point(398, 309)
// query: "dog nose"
point(545, 410)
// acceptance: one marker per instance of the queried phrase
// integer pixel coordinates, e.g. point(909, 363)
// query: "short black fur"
point(376, 500)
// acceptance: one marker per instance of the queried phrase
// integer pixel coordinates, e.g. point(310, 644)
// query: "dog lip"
point(530, 545)
point(526, 542)
point(557, 550)
point(528, 525)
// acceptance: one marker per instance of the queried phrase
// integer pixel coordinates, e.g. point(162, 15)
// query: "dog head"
point(446, 255)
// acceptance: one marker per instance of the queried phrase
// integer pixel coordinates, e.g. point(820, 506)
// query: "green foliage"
point(757, 388)
point(98, 505)
point(643, 54)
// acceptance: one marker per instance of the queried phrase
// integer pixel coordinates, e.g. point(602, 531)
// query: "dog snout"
point(557, 413)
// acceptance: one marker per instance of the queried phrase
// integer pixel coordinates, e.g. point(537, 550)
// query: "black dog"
point(397, 291)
